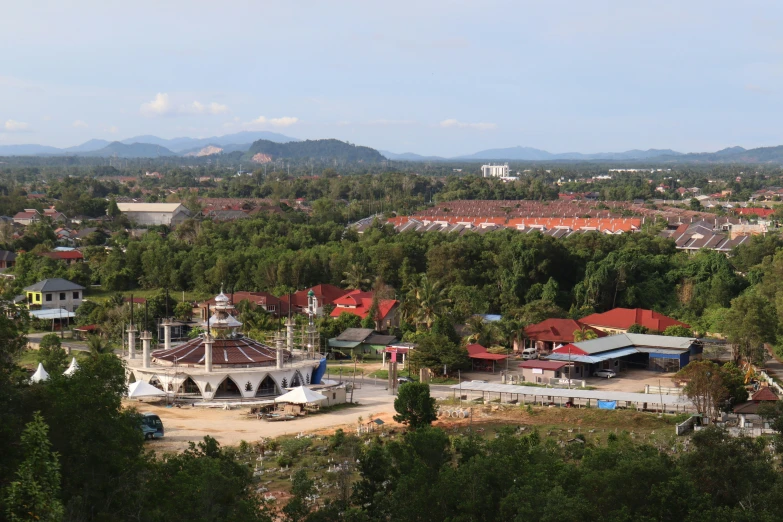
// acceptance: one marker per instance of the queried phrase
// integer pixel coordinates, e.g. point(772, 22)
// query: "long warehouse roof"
point(576, 393)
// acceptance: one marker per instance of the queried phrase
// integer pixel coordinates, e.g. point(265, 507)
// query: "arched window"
point(227, 389)
point(208, 388)
point(268, 387)
point(189, 387)
point(296, 380)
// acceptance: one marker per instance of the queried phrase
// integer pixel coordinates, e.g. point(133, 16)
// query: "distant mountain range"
point(272, 145)
point(148, 146)
point(531, 154)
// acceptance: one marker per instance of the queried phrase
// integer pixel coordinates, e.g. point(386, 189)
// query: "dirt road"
point(230, 427)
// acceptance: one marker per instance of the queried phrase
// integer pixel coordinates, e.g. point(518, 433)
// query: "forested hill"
point(316, 149)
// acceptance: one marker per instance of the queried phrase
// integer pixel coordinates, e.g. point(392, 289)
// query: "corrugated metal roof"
point(594, 358)
point(56, 313)
point(653, 398)
point(149, 207)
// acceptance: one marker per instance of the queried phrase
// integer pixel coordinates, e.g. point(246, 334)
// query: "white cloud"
point(111, 130)
point(283, 121)
point(210, 108)
point(79, 124)
point(391, 122)
point(161, 105)
point(456, 124)
point(16, 126)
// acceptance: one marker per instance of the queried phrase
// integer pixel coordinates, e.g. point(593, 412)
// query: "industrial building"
point(494, 171)
point(149, 214)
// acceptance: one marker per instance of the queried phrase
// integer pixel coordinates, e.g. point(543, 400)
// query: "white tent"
point(72, 368)
point(301, 395)
point(40, 374)
point(142, 389)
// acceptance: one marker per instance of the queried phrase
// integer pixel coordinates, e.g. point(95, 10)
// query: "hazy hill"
point(409, 156)
point(134, 150)
point(185, 144)
point(531, 154)
point(316, 149)
point(27, 150)
point(88, 146)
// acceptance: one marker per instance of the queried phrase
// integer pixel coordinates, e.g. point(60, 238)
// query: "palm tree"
point(430, 300)
point(584, 335)
point(115, 300)
point(511, 331)
point(355, 277)
point(481, 332)
point(98, 346)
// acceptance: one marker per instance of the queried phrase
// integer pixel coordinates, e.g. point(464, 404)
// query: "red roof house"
point(551, 332)
point(273, 305)
point(618, 320)
point(68, 256)
point(326, 294)
point(359, 303)
point(751, 407)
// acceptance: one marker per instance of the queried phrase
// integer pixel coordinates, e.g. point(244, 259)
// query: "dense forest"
point(323, 150)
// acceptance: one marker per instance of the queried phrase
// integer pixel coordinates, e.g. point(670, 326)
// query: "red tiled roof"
point(476, 351)
point(325, 293)
point(359, 303)
point(544, 365)
point(623, 318)
point(239, 350)
point(557, 330)
point(764, 394)
point(263, 299)
point(570, 348)
point(87, 328)
point(760, 212)
point(25, 215)
point(136, 300)
point(70, 254)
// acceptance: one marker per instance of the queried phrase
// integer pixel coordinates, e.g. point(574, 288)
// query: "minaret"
point(312, 311)
point(146, 337)
point(279, 351)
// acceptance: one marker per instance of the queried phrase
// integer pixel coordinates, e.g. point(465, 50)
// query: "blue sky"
point(430, 77)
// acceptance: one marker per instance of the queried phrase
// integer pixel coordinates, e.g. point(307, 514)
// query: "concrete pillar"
point(289, 334)
point(167, 335)
point(383, 362)
point(146, 338)
point(132, 342)
point(279, 351)
point(208, 352)
point(392, 376)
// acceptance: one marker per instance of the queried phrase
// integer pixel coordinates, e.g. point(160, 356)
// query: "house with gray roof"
point(361, 340)
point(54, 293)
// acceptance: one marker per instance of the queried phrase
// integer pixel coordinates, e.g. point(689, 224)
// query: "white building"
point(55, 293)
point(494, 171)
point(169, 214)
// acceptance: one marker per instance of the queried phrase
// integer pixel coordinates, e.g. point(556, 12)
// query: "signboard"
point(538, 370)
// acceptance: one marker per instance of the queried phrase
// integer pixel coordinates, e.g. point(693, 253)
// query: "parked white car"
point(530, 353)
point(606, 373)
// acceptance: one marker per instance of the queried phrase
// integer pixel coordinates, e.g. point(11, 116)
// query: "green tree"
point(51, 354)
point(704, 386)
point(414, 406)
point(749, 324)
point(430, 300)
point(113, 211)
point(584, 334)
point(98, 346)
point(355, 277)
point(678, 331)
point(35, 494)
point(437, 352)
point(637, 328)
point(302, 488)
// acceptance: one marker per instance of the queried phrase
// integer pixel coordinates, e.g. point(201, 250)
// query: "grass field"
point(99, 295)
point(29, 359)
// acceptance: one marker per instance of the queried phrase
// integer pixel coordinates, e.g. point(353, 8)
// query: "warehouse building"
point(149, 214)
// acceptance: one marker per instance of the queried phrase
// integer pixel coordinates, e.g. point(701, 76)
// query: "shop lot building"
point(628, 351)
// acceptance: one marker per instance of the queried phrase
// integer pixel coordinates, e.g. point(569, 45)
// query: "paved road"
point(72, 344)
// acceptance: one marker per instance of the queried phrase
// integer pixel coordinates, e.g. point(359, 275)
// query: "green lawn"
point(100, 295)
point(29, 359)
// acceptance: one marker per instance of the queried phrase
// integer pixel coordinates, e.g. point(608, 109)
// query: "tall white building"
point(494, 171)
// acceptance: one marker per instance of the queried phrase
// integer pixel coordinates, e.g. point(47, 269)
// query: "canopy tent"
point(52, 313)
point(40, 374)
point(301, 395)
point(142, 389)
point(72, 368)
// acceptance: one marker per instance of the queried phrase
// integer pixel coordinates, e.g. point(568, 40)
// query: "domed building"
point(222, 363)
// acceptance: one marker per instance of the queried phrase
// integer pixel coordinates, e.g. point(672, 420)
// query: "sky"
point(431, 77)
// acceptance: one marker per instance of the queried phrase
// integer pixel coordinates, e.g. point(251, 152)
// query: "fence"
point(772, 383)
point(662, 390)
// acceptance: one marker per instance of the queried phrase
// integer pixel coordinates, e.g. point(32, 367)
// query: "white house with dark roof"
point(55, 293)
